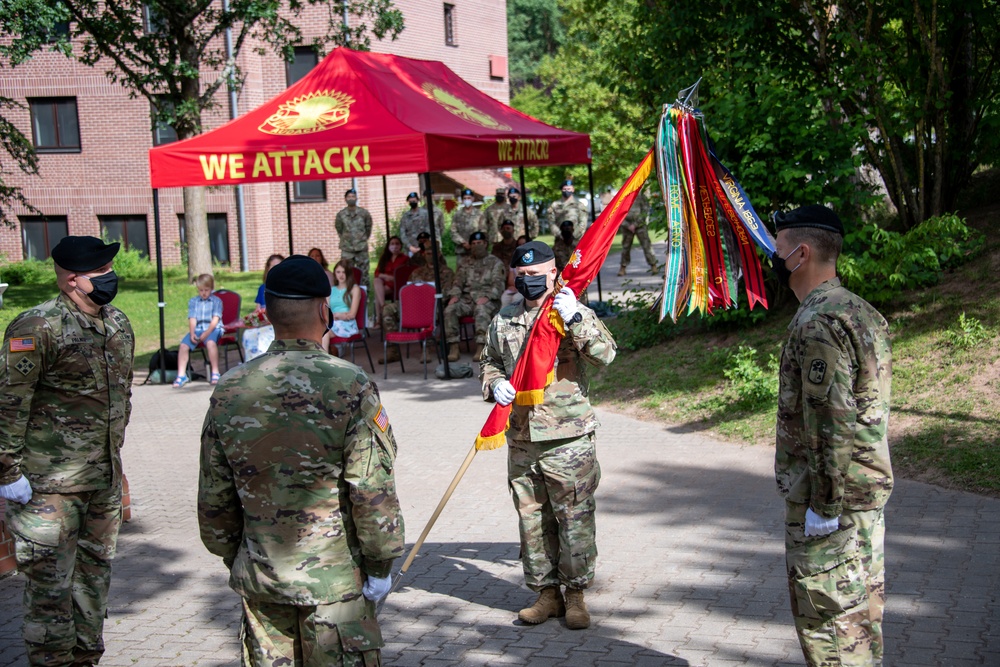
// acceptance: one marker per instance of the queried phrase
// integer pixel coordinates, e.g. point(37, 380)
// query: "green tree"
point(163, 49)
point(534, 31)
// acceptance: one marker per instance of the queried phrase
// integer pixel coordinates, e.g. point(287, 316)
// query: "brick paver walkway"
point(690, 569)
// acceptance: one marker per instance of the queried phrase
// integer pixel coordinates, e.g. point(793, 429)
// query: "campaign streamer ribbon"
point(534, 369)
point(675, 274)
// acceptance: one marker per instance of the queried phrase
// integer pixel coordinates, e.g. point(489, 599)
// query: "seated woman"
point(345, 299)
point(271, 262)
point(392, 258)
point(317, 255)
point(259, 334)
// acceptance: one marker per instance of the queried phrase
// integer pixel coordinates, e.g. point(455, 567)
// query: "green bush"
point(130, 264)
point(879, 264)
point(28, 272)
point(638, 322)
point(754, 388)
point(967, 333)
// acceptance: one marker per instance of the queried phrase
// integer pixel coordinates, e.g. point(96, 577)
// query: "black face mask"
point(501, 199)
point(414, 204)
point(507, 235)
point(567, 235)
point(567, 195)
point(531, 288)
point(513, 201)
point(105, 288)
point(782, 272)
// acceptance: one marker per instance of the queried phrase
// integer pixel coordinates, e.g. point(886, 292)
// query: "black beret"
point(531, 253)
point(477, 236)
point(297, 277)
point(507, 222)
point(565, 183)
point(83, 253)
point(513, 191)
point(466, 192)
point(413, 195)
point(814, 215)
point(351, 191)
point(423, 235)
point(566, 223)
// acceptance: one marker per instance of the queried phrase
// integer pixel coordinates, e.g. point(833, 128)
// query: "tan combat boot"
point(392, 354)
point(479, 352)
point(548, 605)
point(577, 616)
point(453, 352)
point(621, 271)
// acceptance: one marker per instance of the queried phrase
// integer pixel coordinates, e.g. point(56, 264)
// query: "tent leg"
point(437, 272)
point(524, 201)
point(288, 212)
point(385, 200)
point(159, 285)
point(593, 217)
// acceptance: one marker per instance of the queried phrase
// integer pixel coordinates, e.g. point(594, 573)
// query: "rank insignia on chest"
point(25, 365)
point(25, 344)
point(817, 371)
point(381, 419)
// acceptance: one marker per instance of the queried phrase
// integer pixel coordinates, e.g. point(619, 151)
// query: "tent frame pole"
point(385, 201)
point(593, 217)
point(159, 285)
point(438, 297)
point(524, 201)
point(288, 212)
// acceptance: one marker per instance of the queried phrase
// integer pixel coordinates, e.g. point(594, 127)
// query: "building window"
point(309, 191)
point(54, 124)
point(449, 25)
point(218, 236)
point(40, 234)
point(163, 133)
point(129, 230)
point(152, 21)
point(57, 32)
point(305, 60)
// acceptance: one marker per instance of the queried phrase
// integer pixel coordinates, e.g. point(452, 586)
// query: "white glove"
point(566, 304)
point(376, 588)
point(504, 393)
point(817, 525)
point(19, 491)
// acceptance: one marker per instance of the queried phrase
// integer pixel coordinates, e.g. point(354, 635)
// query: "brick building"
point(93, 140)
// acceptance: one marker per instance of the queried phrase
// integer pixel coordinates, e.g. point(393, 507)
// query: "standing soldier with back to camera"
point(552, 467)
point(832, 451)
point(297, 491)
point(354, 227)
point(66, 380)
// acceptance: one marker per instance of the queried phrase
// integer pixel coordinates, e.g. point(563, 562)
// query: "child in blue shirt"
point(205, 328)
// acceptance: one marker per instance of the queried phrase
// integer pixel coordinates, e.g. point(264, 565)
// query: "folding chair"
point(416, 321)
point(362, 335)
point(467, 331)
point(231, 324)
point(399, 278)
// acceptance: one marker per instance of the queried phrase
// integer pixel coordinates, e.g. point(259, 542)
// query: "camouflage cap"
point(501, 191)
point(814, 215)
point(83, 253)
point(423, 235)
point(532, 253)
point(297, 277)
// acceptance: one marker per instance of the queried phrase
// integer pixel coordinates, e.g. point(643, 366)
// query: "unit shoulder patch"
point(817, 371)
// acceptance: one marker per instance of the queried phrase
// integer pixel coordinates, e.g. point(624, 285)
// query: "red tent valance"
point(366, 114)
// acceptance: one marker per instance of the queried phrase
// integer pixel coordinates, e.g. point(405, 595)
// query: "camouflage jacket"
point(476, 278)
point(354, 228)
point(504, 251)
point(833, 407)
point(516, 215)
point(414, 221)
point(565, 411)
point(296, 491)
point(425, 274)
point(638, 215)
point(463, 223)
point(572, 209)
point(66, 397)
point(563, 251)
point(494, 215)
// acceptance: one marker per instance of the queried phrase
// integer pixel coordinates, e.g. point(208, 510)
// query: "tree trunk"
point(196, 233)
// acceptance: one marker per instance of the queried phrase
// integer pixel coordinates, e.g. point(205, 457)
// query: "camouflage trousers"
point(837, 587)
point(553, 486)
point(360, 261)
point(64, 543)
point(343, 634)
point(463, 308)
point(647, 247)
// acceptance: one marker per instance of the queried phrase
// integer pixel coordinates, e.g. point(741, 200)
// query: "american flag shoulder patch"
point(23, 344)
point(381, 419)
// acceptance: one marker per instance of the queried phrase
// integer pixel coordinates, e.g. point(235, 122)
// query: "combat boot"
point(479, 352)
point(548, 605)
point(621, 271)
point(577, 616)
point(453, 352)
point(392, 354)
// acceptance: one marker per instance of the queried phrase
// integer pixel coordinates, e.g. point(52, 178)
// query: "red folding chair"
point(416, 322)
point(467, 331)
point(357, 275)
point(399, 278)
point(232, 325)
point(362, 335)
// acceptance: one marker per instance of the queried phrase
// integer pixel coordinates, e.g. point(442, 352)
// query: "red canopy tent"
point(363, 114)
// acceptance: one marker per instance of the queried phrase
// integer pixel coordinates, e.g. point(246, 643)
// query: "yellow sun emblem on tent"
point(461, 108)
point(314, 112)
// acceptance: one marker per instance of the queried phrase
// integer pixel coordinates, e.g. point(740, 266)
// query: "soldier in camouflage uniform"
point(564, 244)
point(505, 247)
point(570, 208)
point(66, 379)
point(634, 226)
point(467, 219)
point(297, 491)
point(832, 452)
point(414, 221)
point(495, 214)
point(354, 227)
point(516, 216)
point(552, 467)
point(479, 281)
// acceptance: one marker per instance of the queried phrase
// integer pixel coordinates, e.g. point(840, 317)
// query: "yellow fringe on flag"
point(530, 397)
point(492, 442)
point(557, 322)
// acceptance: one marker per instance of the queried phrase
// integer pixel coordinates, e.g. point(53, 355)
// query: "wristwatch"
point(577, 317)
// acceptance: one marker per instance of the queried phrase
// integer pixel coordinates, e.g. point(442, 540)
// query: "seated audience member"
point(317, 255)
point(505, 247)
point(271, 262)
point(391, 259)
point(479, 281)
point(345, 299)
point(564, 245)
point(204, 328)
